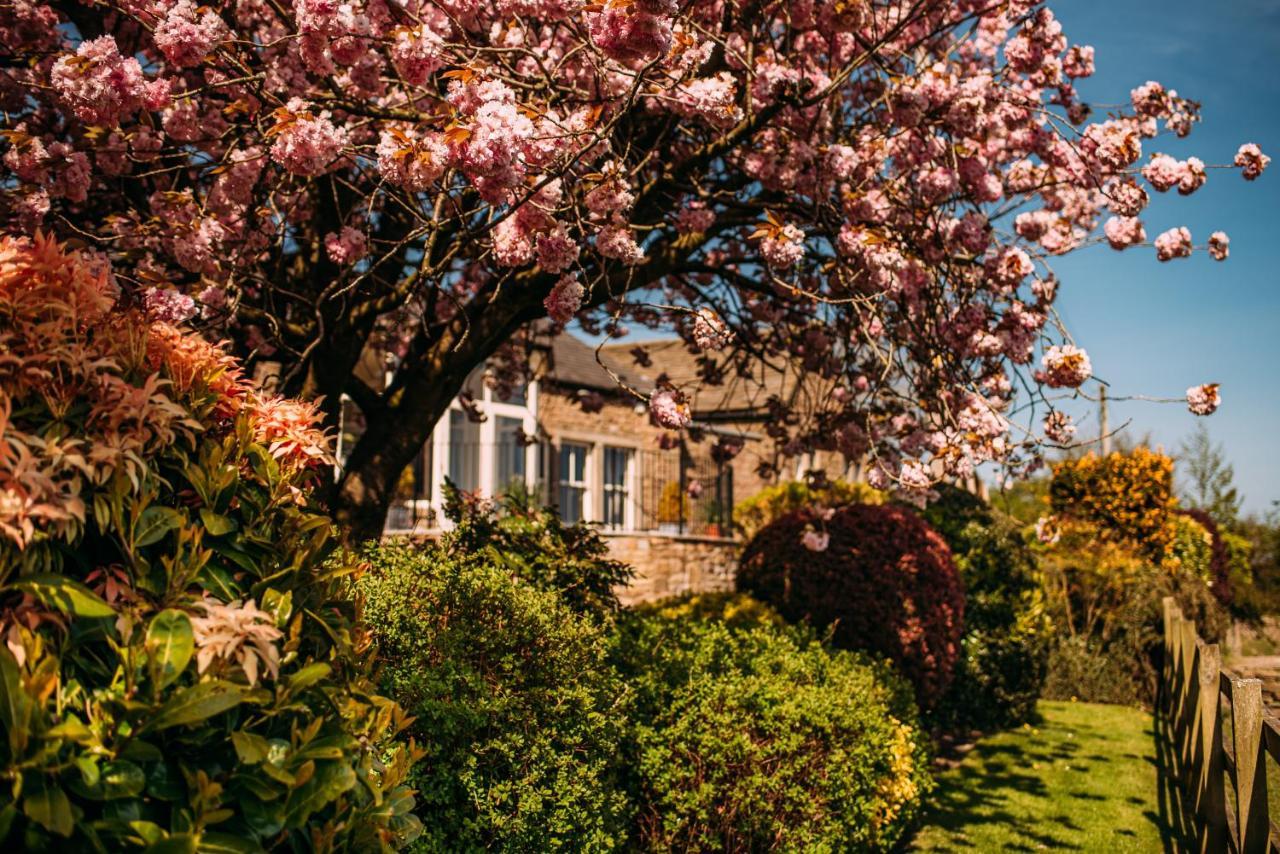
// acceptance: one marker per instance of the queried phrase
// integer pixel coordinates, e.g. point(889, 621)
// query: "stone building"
point(578, 437)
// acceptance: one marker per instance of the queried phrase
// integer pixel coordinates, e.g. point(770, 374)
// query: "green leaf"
point(225, 843)
point(250, 747)
point(154, 523)
point(309, 675)
point(329, 781)
point(170, 645)
point(71, 729)
point(7, 815)
point(148, 831)
point(118, 779)
point(15, 705)
point(215, 523)
point(47, 804)
point(197, 703)
point(179, 843)
point(69, 597)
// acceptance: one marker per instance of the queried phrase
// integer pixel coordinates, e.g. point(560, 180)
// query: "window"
point(617, 475)
point(510, 452)
point(464, 451)
point(572, 494)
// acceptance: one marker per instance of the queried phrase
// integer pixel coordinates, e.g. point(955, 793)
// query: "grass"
point(1084, 778)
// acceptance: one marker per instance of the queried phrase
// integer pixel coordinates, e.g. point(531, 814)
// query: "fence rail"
point(1222, 740)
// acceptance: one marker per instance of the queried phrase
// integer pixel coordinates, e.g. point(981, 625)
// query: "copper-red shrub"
point(885, 582)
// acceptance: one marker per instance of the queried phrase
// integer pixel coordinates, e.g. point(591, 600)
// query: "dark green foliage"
point(534, 544)
point(758, 738)
point(1002, 669)
point(518, 713)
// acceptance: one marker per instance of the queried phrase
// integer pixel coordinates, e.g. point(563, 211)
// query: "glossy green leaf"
point(330, 780)
point(15, 705)
point(154, 523)
point(309, 675)
point(178, 843)
point(170, 645)
point(118, 779)
point(250, 747)
point(197, 703)
point(47, 804)
point(69, 597)
point(215, 523)
point(225, 843)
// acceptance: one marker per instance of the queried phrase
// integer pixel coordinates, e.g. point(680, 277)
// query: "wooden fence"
point(1221, 740)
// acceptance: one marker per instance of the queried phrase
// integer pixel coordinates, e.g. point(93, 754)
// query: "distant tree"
point(1208, 478)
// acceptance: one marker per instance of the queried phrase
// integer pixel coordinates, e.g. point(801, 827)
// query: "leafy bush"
point(519, 715)
point(773, 502)
point(759, 738)
point(179, 669)
point(735, 610)
point(1126, 496)
point(885, 582)
point(1002, 667)
point(1205, 551)
point(1105, 601)
point(533, 543)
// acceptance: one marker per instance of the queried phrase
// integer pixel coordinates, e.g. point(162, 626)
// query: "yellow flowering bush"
point(1125, 496)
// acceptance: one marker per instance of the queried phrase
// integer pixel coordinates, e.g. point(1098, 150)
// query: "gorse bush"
point(773, 502)
point(758, 738)
point(534, 544)
point(1126, 496)
point(179, 671)
point(884, 582)
point(1001, 670)
point(519, 714)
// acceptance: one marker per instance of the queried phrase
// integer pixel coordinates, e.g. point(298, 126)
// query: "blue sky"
point(1154, 328)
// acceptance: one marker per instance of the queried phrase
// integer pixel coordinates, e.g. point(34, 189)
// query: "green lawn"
point(1082, 779)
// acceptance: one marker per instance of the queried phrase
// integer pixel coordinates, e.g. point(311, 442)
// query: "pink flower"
point(1163, 172)
point(669, 409)
point(1009, 268)
point(1193, 176)
point(1251, 161)
point(1065, 366)
point(1123, 232)
point(306, 144)
point(1219, 245)
point(556, 250)
point(615, 241)
point(1078, 61)
point(782, 246)
point(914, 475)
point(346, 246)
point(168, 306)
point(694, 489)
point(186, 36)
point(417, 53)
point(694, 218)
point(1150, 99)
point(1174, 243)
point(1058, 427)
point(815, 541)
point(99, 84)
point(1126, 198)
point(565, 299)
point(709, 331)
point(1047, 530)
point(411, 160)
point(1203, 399)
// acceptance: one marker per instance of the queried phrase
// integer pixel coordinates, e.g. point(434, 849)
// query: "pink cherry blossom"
point(1251, 161)
point(669, 409)
point(783, 247)
point(709, 331)
point(99, 84)
point(1047, 530)
point(1219, 245)
point(565, 299)
point(1123, 232)
point(346, 246)
point(1058, 427)
point(306, 143)
point(1174, 243)
point(815, 541)
point(169, 306)
point(187, 34)
point(1065, 366)
point(1203, 399)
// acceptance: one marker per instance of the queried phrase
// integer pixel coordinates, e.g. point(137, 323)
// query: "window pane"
point(510, 453)
point(464, 451)
point(573, 486)
point(617, 465)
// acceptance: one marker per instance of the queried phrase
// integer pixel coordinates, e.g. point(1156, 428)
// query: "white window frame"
point(627, 487)
point(594, 501)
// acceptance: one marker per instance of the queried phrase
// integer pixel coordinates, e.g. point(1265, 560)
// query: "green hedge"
point(759, 738)
point(520, 718)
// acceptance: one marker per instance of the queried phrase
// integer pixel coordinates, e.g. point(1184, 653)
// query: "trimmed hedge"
point(759, 738)
point(518, 715)
point(886, 583)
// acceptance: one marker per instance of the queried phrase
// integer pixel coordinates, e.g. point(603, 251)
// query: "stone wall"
point(670, 565)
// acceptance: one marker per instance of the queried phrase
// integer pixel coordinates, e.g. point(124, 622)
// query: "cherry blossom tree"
point(870, 189)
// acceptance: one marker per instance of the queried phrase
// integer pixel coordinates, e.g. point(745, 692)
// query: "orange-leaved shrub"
point(883, 581)
point(1127, 496)
point(180, 671)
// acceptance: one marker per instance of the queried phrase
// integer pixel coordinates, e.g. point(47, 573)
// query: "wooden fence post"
point(1173, 723)
point(1211, 800)
point(1252, 820)
point(1189, 729)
